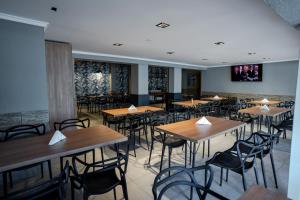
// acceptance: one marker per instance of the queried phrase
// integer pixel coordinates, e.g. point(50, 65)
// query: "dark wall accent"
point(158, 78)
point(139, 100)
point(97, 78)
point(170, 97)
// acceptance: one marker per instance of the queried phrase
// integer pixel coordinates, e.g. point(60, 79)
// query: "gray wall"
point(278, 79)
point(23, 82)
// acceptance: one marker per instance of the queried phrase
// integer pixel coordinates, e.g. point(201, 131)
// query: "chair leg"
point(50, 169)
point(221, 176)
point(227, 172)
point(274, 170)
point(4, 178)
point(10, 179)
point(42, 169)
point(244, 181)
point(115, 195)
point(151, 149)
point(185, 154)
point(134, 151)
point(169, 157)
point(72, 192)
point(190, 152)
point(146, 136)
point(124, 188)
point(162, 157)
point(203, 149)
point(255, 172)
point(208, 148)
point(263, 172)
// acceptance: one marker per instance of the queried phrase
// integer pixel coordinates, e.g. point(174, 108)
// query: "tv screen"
point(248, 73)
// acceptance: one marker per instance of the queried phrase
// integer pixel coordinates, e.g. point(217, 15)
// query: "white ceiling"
point(94, 25)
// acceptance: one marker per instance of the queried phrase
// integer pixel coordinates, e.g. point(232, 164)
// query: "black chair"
point(54, 189)
point(100, 177)
point(132, 125)
point(166, 140)
point(267, 140)
point(72, 124)
point(181, 176)
point(237, 161)
point(21, 131)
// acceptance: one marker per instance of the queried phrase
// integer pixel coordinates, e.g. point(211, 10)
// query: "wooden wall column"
point(60, 75)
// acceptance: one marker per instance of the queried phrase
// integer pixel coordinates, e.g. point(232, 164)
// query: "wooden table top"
point(188, 130)
point(256, 110)
point(26, 151)
point(259, 102)
point(261, 193)
point(124, 111)
point(213, 99)
point(190, 103)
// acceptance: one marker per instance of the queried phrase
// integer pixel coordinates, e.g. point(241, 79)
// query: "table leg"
point(193, 165)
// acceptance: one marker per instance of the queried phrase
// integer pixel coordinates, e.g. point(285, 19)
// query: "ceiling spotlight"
point(251, 53)
point(224, 62)
point(162, 25)
point(219, 43)
point(170, 52)
point(117, 44)
point(204, 59)
point(54, 9)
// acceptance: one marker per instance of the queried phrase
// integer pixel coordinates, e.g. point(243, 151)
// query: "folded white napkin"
point(192, 101)
point(216, 97)
point(132, 108)
point(265, 107)
point(203, 121)
point(265, 100)
point(57, 136)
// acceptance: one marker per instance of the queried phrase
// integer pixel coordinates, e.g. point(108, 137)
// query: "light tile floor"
point(140, 176)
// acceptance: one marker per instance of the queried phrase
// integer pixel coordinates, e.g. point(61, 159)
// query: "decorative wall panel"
point(158, 78)
point(97, 78)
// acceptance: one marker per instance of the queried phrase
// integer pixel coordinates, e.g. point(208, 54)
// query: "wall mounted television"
point(247, 73)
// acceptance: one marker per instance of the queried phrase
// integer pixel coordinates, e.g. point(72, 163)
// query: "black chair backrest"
point(72, 123)
point(181, 176)
point(250, 156)
point(118, 161)
point(24, 130)
point(52, 189)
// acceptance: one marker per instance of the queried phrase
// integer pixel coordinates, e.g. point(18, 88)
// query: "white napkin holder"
point(132, 108)
point(203, 121)
point(265, 108)
point(57, 137)
point(265, 100)
point(216, 97)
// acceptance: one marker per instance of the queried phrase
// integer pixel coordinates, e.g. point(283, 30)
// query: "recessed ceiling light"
point(162, 25)
point(170, 52)
point(204, 59)
point(251, 53)
point(219, 43)
point(224, 62)
point(117, 44)
point(54, 9)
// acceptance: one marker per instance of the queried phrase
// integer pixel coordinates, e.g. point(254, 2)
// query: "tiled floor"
point(140, 176)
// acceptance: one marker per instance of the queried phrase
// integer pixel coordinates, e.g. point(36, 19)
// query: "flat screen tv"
point(247, 73)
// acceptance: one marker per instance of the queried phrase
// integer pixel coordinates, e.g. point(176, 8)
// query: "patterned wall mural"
point(97, 78)
point(158, 78)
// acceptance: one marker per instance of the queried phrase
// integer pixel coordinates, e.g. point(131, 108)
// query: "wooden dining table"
point(120, 112)
point(269, 102)
point(26, 151)
point(191, 103)
point(190, 131)
point(213, 99)
point(269, 114)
